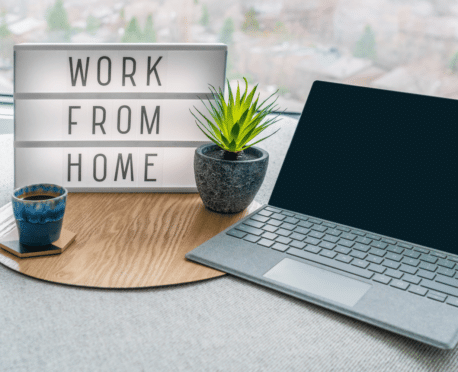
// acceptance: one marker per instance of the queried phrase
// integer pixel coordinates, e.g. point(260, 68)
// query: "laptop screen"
point(377, 160)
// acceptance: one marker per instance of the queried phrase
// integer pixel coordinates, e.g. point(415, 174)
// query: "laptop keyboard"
point(403, 266)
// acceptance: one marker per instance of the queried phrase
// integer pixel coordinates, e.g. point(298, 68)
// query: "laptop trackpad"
point(311, 279)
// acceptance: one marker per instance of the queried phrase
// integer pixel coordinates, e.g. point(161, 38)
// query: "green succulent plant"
point(237, 121)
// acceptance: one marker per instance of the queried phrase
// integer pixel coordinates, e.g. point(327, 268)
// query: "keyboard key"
point(404, 245)
point(348, 236)
point(330, 238)
point(411, 278)
point(389, 241)
point(410, 261)
point(278, 216)
point(451, 258)
point(428, 258)
point(283, 232)
point(291, 220)
point(394, 273)
point(269, 235)
point(274, 222)
point(445, 271)
point(305, 224)
point(297, 236)
point(327, 245)
point(417, 290)
point(313, 249)
point(331, 263)
point(303, 218)
point(436, 296)
point(422, 250)
point(427, 266)
point(357, 232)
point(272, 209)
point(312, 241)
point(358, 254)
point(328, 224)
point(363, 240)
point(343, 250)
point(329, 254)
point(316, 234)
point(361, 247)
point(297, 244)
point(360, 263)
point(259, 218)
point(283, 240)
point(251, 238)
point(446, 263)
point(301, 230)
point(426, 274)
point(342, 258)
point(395, 249)
point(287, 226)
point(334, 232)
point(236, 233)
point(266, 242)
point(446, 280)
point(376, 268)
point(412, 254)
point(393, 256)
point(408, 269)
point(380, 245)
point(249, 229)
point(399, 284)
point(377, 252)
point(346, 243)
point(374, 259)
point(343, 228)
point(319, 228)
point(437, 254)
point(381, 279)
point(439, 287)
point(314, 220)
point(280, 247)
point(253, 223)
point(391, 264)
point(269, 228)
point(452, 301)
point(286, 213)
point(265, 213)
point(373, 237)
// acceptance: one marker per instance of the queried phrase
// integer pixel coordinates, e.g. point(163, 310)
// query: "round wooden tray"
point(130, 241)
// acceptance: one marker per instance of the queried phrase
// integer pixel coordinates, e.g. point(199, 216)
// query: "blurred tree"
point(149, 35)
point(227, 31)
point(454, 63)
point(205, 19)
point(4, 31)
point(57, 17)
point(132, 33)
point(122, 14)
point(251, 22)
point(6, 39)
point(92, 24)
point(365, 46)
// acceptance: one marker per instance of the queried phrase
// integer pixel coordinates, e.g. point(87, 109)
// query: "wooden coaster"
point(129, 240)
point(10, 243)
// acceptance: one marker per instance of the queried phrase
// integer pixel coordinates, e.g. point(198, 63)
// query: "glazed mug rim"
point(40, 201)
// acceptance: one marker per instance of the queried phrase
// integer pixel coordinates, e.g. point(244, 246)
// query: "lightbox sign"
point(111, 117)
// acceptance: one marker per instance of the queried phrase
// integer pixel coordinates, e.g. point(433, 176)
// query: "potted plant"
point(230, 171)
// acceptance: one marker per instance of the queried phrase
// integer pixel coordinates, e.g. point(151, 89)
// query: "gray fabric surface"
point(223, 324)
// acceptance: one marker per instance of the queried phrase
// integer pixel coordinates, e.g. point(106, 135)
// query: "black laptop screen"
point(378, 160)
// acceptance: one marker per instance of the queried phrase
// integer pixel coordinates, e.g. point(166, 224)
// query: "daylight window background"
point(405, 45)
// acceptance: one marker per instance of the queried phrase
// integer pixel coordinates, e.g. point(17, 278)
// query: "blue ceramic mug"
point(39, 212)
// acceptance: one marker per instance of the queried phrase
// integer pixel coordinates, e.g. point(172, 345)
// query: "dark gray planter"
point(229, 186)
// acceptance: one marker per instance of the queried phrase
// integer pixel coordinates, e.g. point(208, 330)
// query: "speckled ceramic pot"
point(229, 186)
point(39, 222)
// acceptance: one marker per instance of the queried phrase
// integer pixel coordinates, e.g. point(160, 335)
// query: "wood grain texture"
point(130, 240)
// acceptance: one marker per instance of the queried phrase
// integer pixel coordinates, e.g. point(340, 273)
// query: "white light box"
point(111, 117)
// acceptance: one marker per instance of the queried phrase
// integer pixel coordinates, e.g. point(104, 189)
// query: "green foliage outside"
point(227, 31)
point(92, 24)
point(237, 120)
point(251, 22)
point(365, 46)
point(149, 35)
point(57, 17)
point(205, 19)
point(4, 31)
point(134, 34)
point(454, 63)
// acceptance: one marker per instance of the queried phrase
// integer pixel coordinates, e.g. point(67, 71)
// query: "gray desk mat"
point(224, 324)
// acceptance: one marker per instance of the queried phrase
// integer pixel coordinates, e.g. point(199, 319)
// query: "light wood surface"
point(129, 241)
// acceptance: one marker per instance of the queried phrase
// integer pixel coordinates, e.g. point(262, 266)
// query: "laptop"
point(362, 219)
